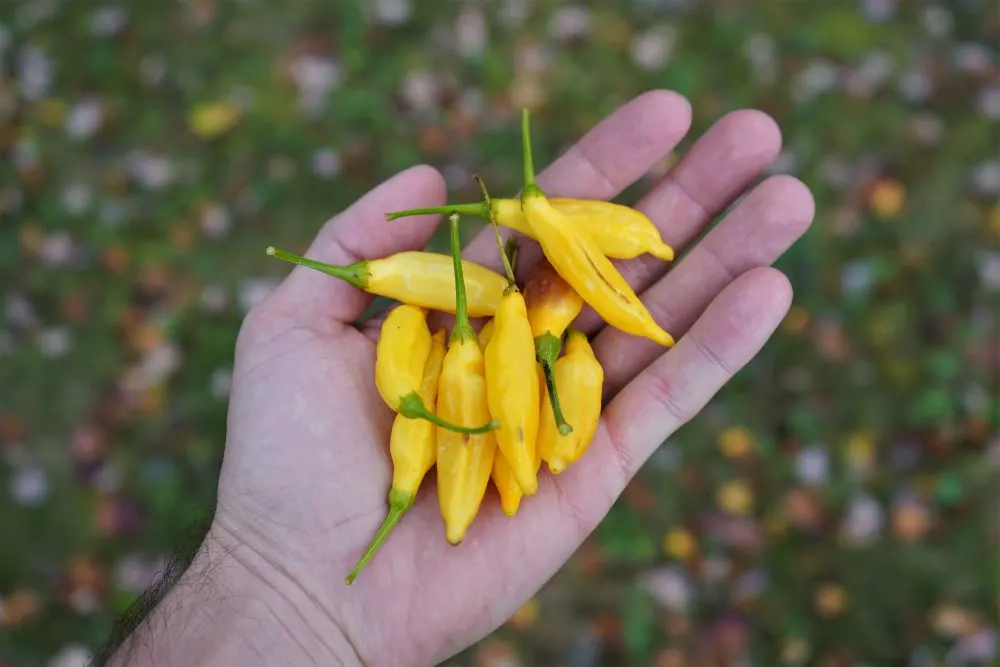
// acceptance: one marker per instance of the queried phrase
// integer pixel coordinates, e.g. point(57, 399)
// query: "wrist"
point(232, 607)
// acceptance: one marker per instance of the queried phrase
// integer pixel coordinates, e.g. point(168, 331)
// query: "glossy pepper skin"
point(511, 379)
point(580, 377)
point(412, 448)
point(464, 462)
point(552, 306)
point(424, 279)
point(502, 474)
point(486, 333)
point(579, 261)
point(400, 356)
point(506, 484)
point(619, 231)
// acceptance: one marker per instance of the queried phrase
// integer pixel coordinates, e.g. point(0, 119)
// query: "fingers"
point(568, 507)
point(719, 167)
point(362, 232)
point(755, 233)
point(679, 384)
point(724, 162)
point(610, 157)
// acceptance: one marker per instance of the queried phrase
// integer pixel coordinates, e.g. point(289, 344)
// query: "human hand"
point(306, 470)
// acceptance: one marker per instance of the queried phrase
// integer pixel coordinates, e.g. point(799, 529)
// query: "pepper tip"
point(269, 251)
point(664, 252)
point(665, 339)
point(556, 466)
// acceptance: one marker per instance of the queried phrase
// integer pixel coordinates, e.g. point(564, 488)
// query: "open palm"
point(306, 468)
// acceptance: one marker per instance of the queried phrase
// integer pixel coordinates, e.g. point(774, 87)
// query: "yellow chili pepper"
point(400, 356)
point(412, 448)
point(486, 333)
point(581, 377)
point(619, 231)
point(511, 379)
point(552, 306)
point(464, 461)
point(502, 474)
point(506, 484)
point(577, 258)
point(424, 279)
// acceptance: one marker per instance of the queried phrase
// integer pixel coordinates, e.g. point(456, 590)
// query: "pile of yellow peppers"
point(527, 387)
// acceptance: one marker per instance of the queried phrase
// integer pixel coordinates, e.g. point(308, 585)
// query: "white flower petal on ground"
point(985, 177)
point(937, 20)
point(221, 382)
point(108, 20)
point(988, 102)
point(73, 655)
point(57, 249)
point(54, 341)
point(326, 163)
point(76, 198)
point(862, 521)
point(471, 32)
point(215, 221)
point(812, 465)
point(570, 22)
point(34, 73)
point(29, 486)
point(392, 12)
point(84, 118)
point(670, 586)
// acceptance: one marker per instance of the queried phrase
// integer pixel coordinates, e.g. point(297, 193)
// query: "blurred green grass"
point(130, 248)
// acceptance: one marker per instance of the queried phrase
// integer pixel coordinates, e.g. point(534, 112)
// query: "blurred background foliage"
point(835, 505)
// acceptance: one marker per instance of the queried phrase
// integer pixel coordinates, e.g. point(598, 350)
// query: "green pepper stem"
point(412, 406)
point(511, 280)
point(399, 504)
point(474, 208)
point(546, 351)
point(461, 328)
point(356, 274)
point(511, 251)
point(529, 165)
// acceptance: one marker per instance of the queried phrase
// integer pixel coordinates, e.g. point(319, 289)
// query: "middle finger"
point(719, 167)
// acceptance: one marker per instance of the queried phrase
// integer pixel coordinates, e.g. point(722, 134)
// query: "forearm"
point(227, 609)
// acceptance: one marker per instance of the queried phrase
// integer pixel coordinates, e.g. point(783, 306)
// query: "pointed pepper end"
point(664, 252)
point(557, 466)
point(529, 489)
point(665, 339)
point(510, 509)
point(455, 536)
